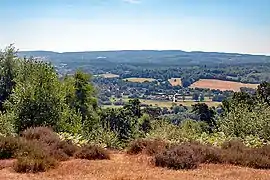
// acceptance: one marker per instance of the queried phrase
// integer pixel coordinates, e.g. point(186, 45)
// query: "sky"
point(241, 26)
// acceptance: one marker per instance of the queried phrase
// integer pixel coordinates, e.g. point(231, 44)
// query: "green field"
point(109, 75)
point(167, 104)
point(139, 80)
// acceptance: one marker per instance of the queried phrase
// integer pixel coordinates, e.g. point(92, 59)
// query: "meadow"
point(109, 75)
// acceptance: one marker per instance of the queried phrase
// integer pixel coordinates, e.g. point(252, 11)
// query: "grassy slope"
point(125, 167)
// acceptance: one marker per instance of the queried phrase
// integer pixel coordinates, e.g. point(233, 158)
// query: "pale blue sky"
point(79, 25)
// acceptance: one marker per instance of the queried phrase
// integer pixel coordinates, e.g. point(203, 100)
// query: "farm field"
point(169, 104)
point(221, 85)
point(139, 80)
point(125, 167)
point(109, 75)
point(175, 81)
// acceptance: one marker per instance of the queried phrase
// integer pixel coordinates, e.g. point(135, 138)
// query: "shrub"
point(106, 137)
point(8, 147)
point(234, 145)
point(59, 149)
point(264, 150)
point(206, 153)
point(243, 121)
point(32, 156)
point(77, 139)
point(237, 154)
point(33, 165)
point(179, 157)
point(43, 134)
point(6, 124)
point(149, 147)
point(91, 152)
point(161, 129)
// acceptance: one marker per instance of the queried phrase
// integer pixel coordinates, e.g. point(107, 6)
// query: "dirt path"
point(124, 167)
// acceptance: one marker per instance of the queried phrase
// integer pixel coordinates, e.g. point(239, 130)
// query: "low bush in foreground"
point(179, 157)
point(206, 153)
point(59, 149)
point(92, 152)
point(34, 165)
point(39, 149)
point(189, 155)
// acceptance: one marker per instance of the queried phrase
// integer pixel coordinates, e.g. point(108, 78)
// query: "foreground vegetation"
point(46, 119)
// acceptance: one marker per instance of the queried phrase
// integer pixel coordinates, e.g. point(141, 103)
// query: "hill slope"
point(166, 57)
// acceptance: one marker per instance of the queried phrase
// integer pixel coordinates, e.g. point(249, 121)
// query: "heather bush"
point(91, 152)
point(59, 149)
point(206, 153)
point(236, 153)
point(179, 157)
point(43, 134)
point(34, 165)
point(234, 145)
point(8, 147)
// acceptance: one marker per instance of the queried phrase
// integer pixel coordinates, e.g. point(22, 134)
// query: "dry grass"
point(221, 85)
point(109, 75)
point(169, 104)
point(175, 81)
point(125, 167)
point(139, 80)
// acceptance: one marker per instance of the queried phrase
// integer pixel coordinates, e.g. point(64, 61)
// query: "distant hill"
point(147, 57)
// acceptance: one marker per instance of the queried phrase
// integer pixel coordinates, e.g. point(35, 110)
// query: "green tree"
point(205, 113)
point(195, 96)
point(121, 121)
point(8, 72)
point(201, 97)
point(242, 122)
point(80, 95)
point(84, 100)
point(145, 123)
point(38, 99)
point(134, 105)
point(263, 92)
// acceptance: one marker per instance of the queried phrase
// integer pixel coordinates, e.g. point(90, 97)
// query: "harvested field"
point(109, 75)
point(221, 85)
point(175, 81)
point(140, 80)
point(138, 167)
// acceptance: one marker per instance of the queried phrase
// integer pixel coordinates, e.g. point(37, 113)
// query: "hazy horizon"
point(241, 26)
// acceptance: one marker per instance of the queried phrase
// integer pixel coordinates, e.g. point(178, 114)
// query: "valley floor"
point(125, 167)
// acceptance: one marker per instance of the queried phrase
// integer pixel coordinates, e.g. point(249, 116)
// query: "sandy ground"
point(124, 167)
